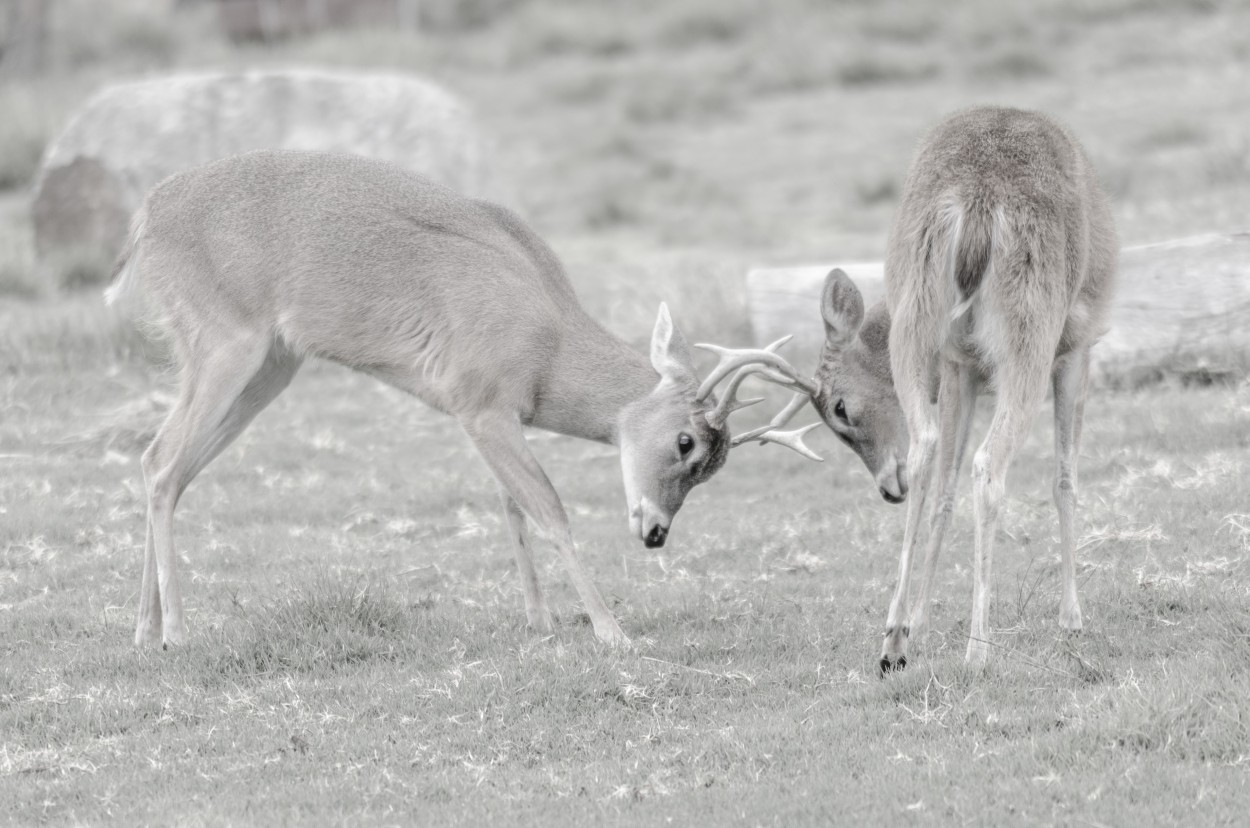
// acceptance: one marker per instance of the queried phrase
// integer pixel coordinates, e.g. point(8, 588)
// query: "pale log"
point(1181, 307)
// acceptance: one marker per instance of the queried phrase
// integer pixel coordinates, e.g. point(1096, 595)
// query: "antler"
point(789, 439)
point(792, 440)
point(782, 417)
point(731, 359)
point(729, 402)
point(766, 363)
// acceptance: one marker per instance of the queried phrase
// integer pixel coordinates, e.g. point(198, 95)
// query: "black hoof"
point(886, 666)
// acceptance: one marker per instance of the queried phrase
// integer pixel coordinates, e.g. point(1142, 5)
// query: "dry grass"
point(357, 651)
point(358, 648)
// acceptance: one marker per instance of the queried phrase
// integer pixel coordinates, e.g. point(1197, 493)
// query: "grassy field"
point(358, 649)
point(358, 652)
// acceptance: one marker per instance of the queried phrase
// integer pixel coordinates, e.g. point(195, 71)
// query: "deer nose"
point(656, 537)
point(893, 484)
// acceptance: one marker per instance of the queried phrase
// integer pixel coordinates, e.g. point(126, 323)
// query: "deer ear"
point(670, 355)
point(841, 306)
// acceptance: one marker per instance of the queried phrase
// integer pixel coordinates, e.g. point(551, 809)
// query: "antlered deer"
point(256, 262)
point(999, 274)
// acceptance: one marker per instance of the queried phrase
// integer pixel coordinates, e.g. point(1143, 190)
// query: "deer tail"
point(971, 248)
point(123, 278)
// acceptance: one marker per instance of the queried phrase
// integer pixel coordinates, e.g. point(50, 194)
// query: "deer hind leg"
point(501, 442)
point(1070, 378)
point(1020, 383)
point(912, 384)
point(148, 624)
point(956, 403)
point(220, 397)
point(536, 611)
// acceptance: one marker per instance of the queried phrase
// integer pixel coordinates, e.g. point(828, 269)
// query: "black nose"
point(656, 537)
point(892, 498)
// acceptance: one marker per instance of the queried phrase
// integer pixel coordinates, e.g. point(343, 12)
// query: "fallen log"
point(1182, 308)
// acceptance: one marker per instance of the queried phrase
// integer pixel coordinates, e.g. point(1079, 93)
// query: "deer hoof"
point(147, 634)
point(613, 636)
point(541, 621)
point(174, 638)
point(894, 652)
point(888, 666)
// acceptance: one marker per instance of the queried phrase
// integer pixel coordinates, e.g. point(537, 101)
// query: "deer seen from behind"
point(254, 263)
point(999, 274)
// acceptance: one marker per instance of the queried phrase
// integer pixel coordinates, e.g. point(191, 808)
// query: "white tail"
point(256, 262)
point(123, 273)
point(999, 272)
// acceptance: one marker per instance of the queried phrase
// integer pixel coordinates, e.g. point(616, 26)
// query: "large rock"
point(1181, 308)
point(128, 137)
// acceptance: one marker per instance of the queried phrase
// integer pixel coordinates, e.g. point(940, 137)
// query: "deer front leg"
point(1071, 375)
point(536, 611)
point(501, 442)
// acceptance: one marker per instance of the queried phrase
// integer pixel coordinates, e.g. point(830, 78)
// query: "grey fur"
point(999, 273)
point(256, 262)
point(854, 391)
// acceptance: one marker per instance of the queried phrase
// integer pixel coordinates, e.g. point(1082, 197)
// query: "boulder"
point(130, 136)
point(1181, 308)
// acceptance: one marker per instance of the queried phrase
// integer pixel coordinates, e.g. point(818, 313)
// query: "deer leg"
point(1070, 378)
point(1020, 385)
point(956, 403)
point(501, 442)
point(148, 624)
point(920, 460)
point(912, 387)
point(536, 611)
point(266, 384)
point(274, 375)
point(212, 410)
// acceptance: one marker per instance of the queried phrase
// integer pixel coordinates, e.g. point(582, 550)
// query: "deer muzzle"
point(892, 481)
point(649, 523)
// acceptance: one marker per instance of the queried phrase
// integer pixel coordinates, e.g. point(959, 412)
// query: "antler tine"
point(805, 386)
point(729, 403)
point(731, 359)
point(782, 417)
point(792, 440)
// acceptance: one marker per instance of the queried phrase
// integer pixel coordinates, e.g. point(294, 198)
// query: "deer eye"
point(684, 443)
point(839, 411)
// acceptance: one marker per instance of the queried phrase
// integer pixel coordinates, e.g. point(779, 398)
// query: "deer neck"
point(592, 376)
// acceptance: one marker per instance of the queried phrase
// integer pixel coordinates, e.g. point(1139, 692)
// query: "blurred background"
point(663, 148)
point(353, 600)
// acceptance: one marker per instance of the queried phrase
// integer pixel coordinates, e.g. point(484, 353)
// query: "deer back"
point(1002, 206)
point(362, 263)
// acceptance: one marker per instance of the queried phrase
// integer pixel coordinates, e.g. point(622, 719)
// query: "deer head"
point(677, 436)
point(855, 387)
